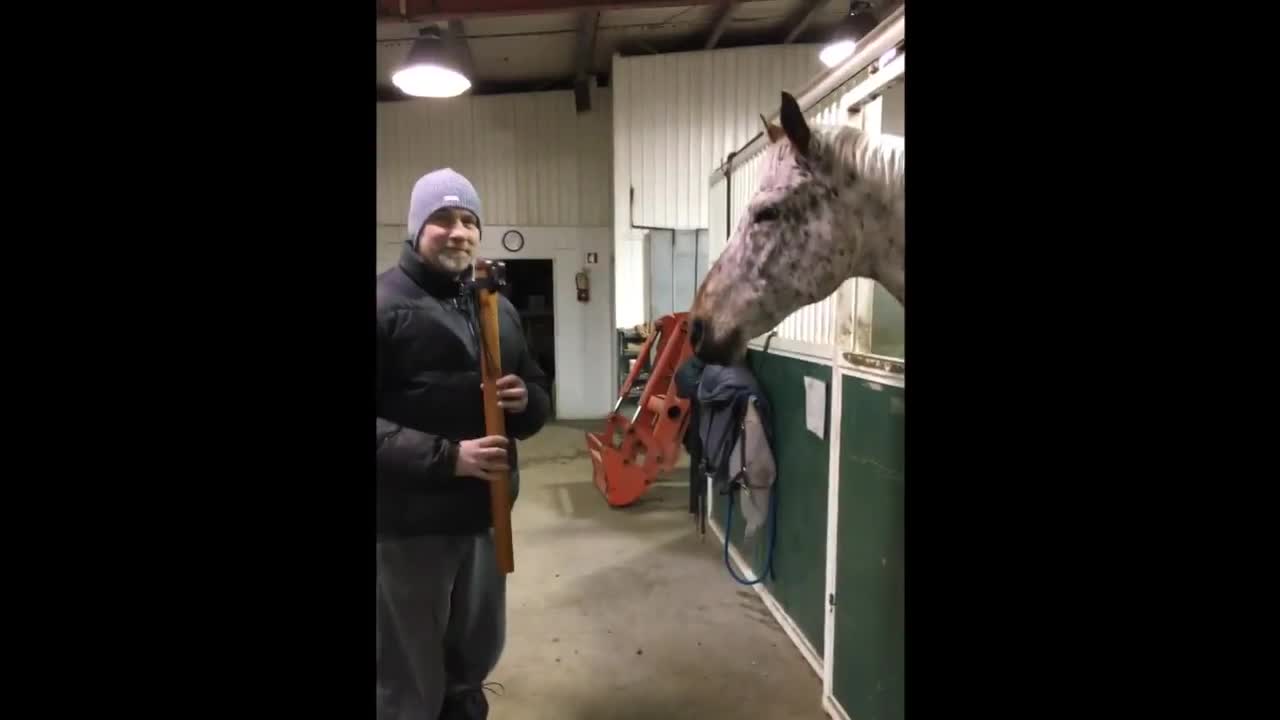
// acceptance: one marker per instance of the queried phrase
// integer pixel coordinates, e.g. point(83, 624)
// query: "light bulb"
point(837, 52)
point(430, 81)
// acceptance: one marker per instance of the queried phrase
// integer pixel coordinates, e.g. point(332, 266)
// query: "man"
point(441, 597)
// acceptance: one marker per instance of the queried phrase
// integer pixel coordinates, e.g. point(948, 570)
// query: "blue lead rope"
point(771, 520)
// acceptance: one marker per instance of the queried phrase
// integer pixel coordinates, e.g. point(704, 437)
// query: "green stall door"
point(868, 652)
point(799, 557)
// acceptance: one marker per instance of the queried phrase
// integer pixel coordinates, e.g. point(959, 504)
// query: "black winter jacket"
point(429, 398)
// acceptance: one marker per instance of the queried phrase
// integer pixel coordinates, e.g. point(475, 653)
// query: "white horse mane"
point(881, 160)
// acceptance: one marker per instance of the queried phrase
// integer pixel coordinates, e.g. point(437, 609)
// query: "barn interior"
point(615, 146)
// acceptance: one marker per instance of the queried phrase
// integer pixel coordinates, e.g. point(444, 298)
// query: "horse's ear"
point(775, 133)
point(794, 125)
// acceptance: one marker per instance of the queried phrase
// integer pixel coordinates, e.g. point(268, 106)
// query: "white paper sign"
point(815, 405)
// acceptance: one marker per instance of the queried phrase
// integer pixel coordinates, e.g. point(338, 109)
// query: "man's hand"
point(513, 396)
point(483, 458)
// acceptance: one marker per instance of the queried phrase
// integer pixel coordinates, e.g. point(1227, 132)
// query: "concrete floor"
point(627, 614)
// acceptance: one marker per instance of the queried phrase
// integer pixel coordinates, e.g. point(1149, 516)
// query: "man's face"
point(449, 239)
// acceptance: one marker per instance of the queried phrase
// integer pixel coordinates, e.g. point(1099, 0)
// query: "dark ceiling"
point(537, 45)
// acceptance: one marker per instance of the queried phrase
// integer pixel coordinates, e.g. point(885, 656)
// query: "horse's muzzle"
point(710, 348)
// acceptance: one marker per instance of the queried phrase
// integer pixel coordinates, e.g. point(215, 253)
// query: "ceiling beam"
point(800, 20)
point(587, 24)
point(431, 10)
point(724, 12)
point(694, 43)
point(387, 92)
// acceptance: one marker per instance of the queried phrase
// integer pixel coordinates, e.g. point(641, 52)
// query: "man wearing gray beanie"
point(441, 598)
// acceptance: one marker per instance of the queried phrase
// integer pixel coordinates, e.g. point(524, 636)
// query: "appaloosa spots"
point(839, 200)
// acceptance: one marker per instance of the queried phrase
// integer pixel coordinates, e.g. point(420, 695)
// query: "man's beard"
point(453, 261)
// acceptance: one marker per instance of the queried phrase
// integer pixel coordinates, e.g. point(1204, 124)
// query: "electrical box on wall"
point(583, 282)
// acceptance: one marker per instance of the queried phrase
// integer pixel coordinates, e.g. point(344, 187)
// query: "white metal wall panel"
point(390, 244)
point(629, 266)
point(675, 118)
point(496, 179)
point(629, 259)
point(533, 159)
point(592, 143)
point(718, 205)
point(677, 115)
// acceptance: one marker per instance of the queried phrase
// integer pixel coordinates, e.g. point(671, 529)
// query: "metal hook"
point(768, 338)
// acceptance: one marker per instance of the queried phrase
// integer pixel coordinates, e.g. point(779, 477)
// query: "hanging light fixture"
point(431, 69)
point(853, 28)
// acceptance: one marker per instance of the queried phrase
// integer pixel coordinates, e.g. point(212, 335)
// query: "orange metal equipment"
point(630, 454)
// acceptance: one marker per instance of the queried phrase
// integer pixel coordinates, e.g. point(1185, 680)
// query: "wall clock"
point(513, 241)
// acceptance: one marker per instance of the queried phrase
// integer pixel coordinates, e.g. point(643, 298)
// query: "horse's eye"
point(766, 215)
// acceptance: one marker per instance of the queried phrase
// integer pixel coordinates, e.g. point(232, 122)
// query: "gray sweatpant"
point(441, 621)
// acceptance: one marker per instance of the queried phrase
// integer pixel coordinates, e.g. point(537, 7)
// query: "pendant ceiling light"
point(431, 69)
point(853, 28)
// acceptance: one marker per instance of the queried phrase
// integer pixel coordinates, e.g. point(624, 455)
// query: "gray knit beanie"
point(440, 189)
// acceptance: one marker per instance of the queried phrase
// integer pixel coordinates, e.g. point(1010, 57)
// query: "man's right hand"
point(483, 458)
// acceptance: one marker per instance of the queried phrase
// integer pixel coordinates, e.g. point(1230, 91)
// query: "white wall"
point(532, 158)
point(540, 168)
point(585, 377)
point(630, 261)
point(390, 240)
point(675, 118)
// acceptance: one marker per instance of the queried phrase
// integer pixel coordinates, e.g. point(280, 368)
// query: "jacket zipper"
point(468, 317)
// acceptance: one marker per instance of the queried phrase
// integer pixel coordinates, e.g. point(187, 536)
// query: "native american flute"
point(491, 275)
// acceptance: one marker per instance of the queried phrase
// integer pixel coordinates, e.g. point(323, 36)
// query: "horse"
point(830, 206)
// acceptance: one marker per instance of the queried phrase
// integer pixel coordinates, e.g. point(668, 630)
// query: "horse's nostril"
point(695, 332)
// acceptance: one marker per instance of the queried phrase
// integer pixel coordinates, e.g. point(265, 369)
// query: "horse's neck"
point(879, 258)
point(880, 164)
point(891, 275)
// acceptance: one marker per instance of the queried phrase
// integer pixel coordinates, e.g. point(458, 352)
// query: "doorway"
point(531, 289)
